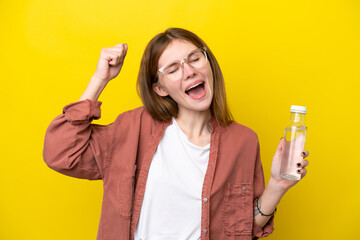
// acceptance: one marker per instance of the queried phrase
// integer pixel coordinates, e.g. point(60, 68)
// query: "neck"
point(297, 117)
point(194, 124)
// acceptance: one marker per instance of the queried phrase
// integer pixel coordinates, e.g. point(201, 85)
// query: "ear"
point(159, 90)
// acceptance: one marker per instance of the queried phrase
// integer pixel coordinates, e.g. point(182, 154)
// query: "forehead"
point(176, 50)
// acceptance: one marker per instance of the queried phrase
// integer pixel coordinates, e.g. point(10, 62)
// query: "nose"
point(189, 71)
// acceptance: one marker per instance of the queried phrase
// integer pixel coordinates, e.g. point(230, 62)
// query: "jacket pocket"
point(238, 209)
point(126, 181)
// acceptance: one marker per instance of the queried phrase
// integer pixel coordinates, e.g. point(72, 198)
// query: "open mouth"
point(196, 90)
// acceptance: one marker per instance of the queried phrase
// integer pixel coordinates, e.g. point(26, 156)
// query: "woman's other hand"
point(110, 62)
point(108, 67)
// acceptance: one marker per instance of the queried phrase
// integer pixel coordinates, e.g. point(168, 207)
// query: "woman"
point(177, 168)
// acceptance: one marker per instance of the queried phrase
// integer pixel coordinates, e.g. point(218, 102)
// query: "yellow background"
point(272, 53)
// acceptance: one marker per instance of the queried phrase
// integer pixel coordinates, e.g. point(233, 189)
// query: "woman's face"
point(194, 90)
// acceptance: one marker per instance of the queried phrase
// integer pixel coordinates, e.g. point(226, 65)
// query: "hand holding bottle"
point(283, 184)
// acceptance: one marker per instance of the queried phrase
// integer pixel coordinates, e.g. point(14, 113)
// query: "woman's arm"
point(73, 146)
point(267, 203)
point(93, 89)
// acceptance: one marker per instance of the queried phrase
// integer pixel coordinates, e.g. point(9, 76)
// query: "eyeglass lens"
point(195, 59)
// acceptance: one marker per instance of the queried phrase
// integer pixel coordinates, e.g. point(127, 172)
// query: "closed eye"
point(194, 60)
point(172, 68)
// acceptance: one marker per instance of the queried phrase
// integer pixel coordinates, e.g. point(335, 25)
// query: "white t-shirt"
point(171, 206)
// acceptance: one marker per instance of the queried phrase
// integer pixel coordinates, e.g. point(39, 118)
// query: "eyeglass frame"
point(203, 50)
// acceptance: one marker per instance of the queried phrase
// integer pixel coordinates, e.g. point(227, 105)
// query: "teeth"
point(193, 86)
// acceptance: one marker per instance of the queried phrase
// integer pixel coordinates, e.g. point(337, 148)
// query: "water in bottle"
point(294, 143)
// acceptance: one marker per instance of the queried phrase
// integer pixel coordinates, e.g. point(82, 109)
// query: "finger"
point(279, 148)
point(119, 45)
point(110, 50)
point(115, 61)
point(112, 54)
point(120, 51)
point(122, 47)
point(305, 153)
point(302, 172)
point(302, 164)
point(125, 49)
point(115, 52)
point(112, 58)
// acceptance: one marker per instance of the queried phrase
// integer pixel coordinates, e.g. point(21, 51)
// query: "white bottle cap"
point(298, 109)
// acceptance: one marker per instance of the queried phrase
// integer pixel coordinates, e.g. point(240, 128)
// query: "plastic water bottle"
point(294, 143)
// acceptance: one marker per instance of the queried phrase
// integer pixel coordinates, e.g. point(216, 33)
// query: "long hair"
point(164, 108)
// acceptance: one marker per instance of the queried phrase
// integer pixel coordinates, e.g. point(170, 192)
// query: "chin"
point(202, 107)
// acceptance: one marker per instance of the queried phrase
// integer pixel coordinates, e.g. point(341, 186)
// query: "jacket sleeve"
point(75, 147)
point(259, 186)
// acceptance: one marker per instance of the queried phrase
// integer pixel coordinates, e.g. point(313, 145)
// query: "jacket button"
point(244, 188)
point(204, 230)
point(205, 199)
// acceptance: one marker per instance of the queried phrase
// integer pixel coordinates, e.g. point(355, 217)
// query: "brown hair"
point(163, 108)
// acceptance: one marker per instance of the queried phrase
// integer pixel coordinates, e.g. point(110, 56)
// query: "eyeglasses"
point(175, 70)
